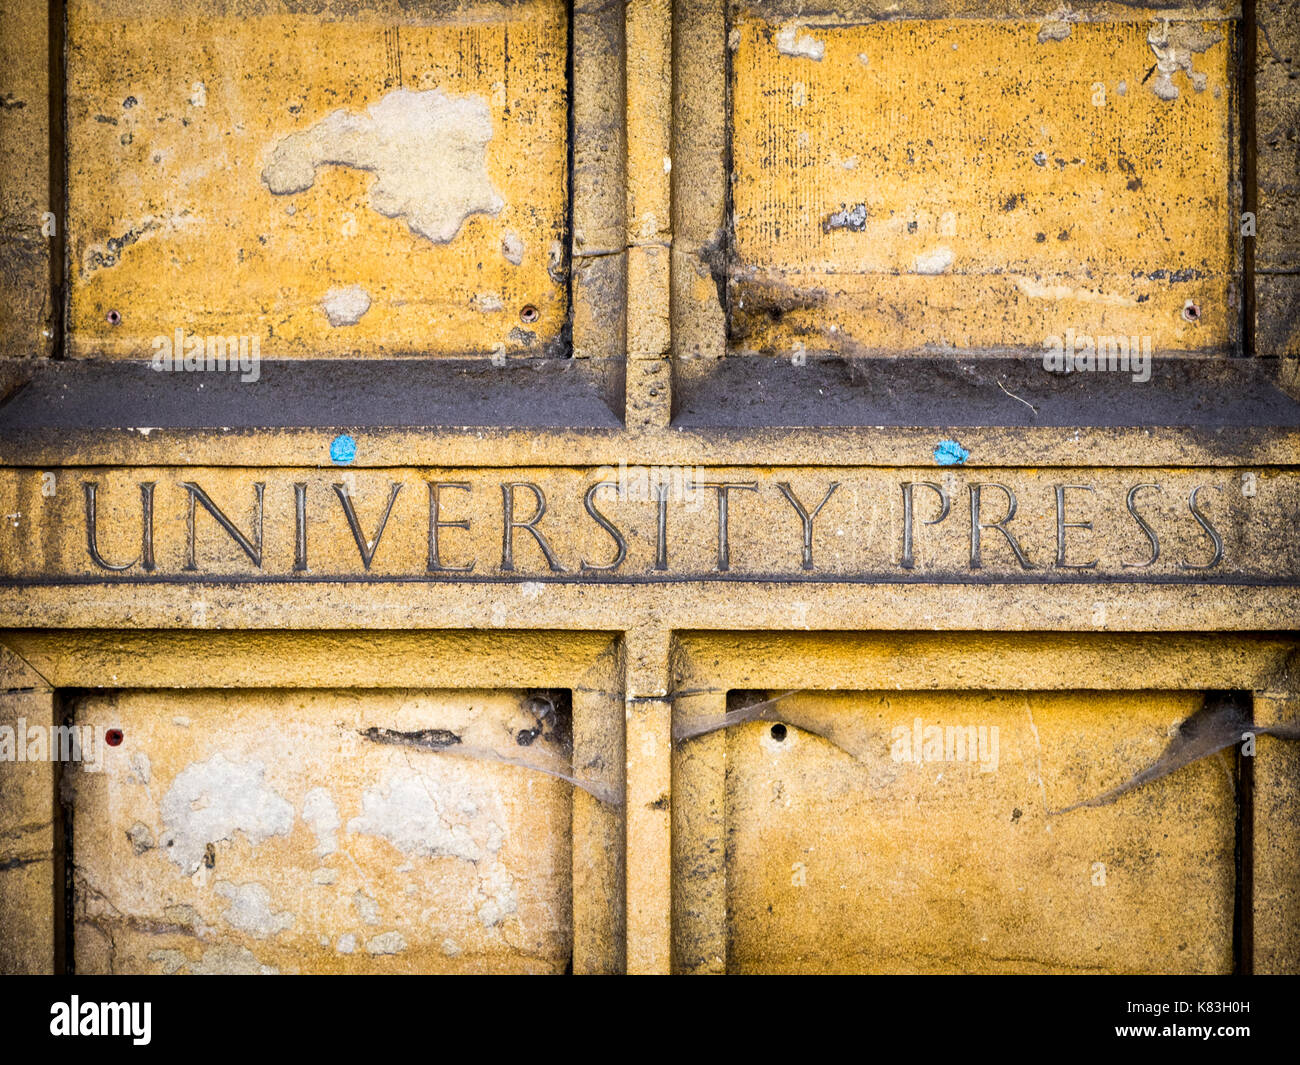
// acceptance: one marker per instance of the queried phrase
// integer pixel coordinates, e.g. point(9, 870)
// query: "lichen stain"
point(1174, 45)
point(851, 218)
point(427, 150)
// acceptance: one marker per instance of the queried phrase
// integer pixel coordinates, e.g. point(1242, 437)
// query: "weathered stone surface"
point(1277, 139)
point(28, 859)
point(974, 185)
point(936, 857)
point(228, 170)
point(381, 832)
point(289, 636)
point(28, 221)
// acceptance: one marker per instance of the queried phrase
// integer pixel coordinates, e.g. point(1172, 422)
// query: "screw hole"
point(113, 737)
point(114, 318)
point(529, 314)
point(1191, 312)
point(778, 732)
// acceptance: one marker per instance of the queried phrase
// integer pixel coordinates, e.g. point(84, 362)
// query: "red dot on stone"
point(113, 737)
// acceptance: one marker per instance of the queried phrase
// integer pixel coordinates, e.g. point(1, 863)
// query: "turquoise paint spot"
point(343, 449)
point(950, 453)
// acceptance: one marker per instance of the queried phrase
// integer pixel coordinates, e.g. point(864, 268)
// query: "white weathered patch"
point(512, 247)
point(500, 897)
point(250, 909)
point(789, 41)
point(367, 907)
point(1053, 31)
point(1174, 44)
point(322, 816)
point(417, 814)
point(387, 943)
point(140, 766)
point(1042, 290)
point(345, 306)
point(213, 800)
point(427, 150)
point(935, 261)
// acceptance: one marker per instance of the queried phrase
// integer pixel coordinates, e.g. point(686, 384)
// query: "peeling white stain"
point(1040, 290)
point(500, 896)
point(250, 909)
point(140, 766)
point(322, 816)
point(935, 261)
point(345, 306)
point(1053, 31)
point(427, 150)
point(418, 815)
point(789, 41)
point(1174, 44)
point(387, 943)
point(347, 943)
point(367, 907)
point(212, 800)
point(512, 247)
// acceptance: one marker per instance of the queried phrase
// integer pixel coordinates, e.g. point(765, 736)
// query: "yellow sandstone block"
point(939, 844)
point(969, 184)
point(331, 183)
point(312, 831)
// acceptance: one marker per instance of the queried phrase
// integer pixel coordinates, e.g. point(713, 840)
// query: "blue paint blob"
point(950, 453)
point(343, 449)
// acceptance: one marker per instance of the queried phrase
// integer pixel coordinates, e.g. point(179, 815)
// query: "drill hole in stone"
point(1191, 312)
point(529, 314)
point(114, 318)
point(778, 732)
